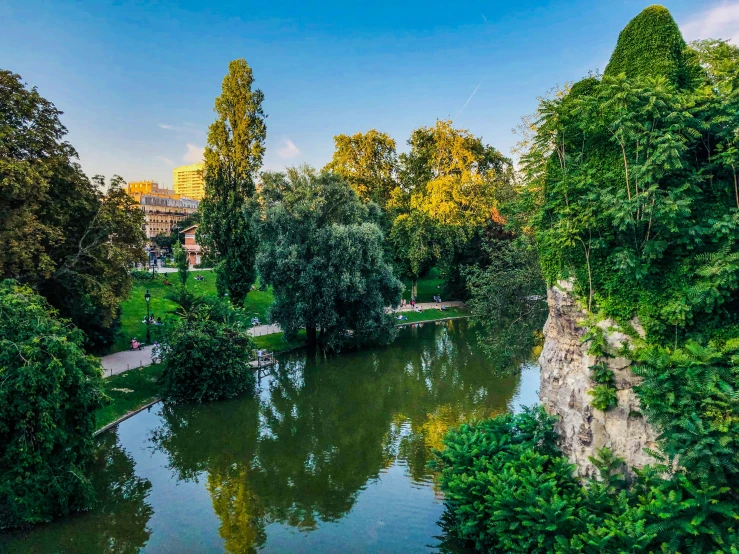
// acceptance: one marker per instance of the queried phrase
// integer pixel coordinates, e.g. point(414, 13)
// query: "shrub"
point(508, 487)
point(205, 359)
point(50, 390)
point(142, 275)
point(604, 397)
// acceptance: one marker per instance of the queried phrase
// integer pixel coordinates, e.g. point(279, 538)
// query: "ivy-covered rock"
point(652, 45)
point(48, 394)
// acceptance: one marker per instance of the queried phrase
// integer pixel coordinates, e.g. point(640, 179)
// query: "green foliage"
point(233, 155)
point(604, 397)
point(206, 358)
point(652, 45)
point(507, 486)
point(691, 395)
point(508, 299)
point(50, 391)
point(451, 185)
point(368, 162)
point(604, 393)
point(138, 275)
point(182, 262)
point(323, 256)
point(510, 490)
point(633, 196)
point(63, 234)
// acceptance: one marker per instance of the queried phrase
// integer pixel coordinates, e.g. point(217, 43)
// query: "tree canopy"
point(322, 252)
point(50, 391)
point(65, 235)
point(233, 155)
point(368, 162)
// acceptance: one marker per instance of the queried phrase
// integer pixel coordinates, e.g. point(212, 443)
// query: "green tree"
point(233, 156)
point(451, 186)
point(182, 262)
point(206, 357)
point(50, 392)
point(368, 162)
point(323, 255)
point(71, 238)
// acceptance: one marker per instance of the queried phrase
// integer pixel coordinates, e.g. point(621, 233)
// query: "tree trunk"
point(310, 332)
point(414, 288)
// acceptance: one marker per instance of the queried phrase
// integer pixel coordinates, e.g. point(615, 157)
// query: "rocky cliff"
point(565, 382)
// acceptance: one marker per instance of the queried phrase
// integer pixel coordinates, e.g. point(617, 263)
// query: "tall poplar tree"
point(233, 155)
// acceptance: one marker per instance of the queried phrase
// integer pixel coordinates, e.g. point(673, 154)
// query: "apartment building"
point(188, 181)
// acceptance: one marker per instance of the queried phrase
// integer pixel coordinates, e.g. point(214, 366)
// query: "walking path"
point(113, 364)
point(119, 362)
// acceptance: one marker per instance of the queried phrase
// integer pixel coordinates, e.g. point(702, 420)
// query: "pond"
point(329, 456)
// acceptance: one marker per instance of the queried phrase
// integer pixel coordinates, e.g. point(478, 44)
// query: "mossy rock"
point(652, 45)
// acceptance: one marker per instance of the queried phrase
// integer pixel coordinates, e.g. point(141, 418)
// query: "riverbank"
point(130, 391)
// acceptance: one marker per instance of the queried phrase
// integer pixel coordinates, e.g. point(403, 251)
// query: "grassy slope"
point(133, 310)
point(136, 388)
point(428, 286)
point(430, 315)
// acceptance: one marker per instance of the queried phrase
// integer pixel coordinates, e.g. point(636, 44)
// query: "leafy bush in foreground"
point(508, 489)
point(206, 359)
point(50, 390)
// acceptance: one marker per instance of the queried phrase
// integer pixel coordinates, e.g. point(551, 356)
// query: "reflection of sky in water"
point(329, 456)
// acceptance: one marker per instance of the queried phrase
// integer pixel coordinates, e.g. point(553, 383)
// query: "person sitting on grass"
point(402, 318)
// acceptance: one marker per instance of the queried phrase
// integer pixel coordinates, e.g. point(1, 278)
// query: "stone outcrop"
point(565, 382)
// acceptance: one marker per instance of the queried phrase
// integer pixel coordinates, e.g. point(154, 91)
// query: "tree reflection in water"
point(302, 452)
point(118, 523)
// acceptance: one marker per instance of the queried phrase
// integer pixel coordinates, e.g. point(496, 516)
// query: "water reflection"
point(330, 456)
point(322, 428)
point(118, 522)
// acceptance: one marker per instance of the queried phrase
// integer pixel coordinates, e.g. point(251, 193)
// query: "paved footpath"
point(119, 362)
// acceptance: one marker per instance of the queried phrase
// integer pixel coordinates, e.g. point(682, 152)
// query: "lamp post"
point(147, 297)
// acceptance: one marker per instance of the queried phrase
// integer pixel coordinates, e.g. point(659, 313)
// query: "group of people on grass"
point(151, 321)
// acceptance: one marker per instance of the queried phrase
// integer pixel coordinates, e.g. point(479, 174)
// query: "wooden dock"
point(263, 364)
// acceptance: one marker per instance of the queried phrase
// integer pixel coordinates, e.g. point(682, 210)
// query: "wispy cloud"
point(194, 154)
point(288, 150)
point(721, 21)
point(165, 160)
point(485, 18)
point(470, 98)
point(165, 126)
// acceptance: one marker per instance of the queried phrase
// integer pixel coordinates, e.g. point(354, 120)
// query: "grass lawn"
point(276, 342)
point(428, 286)
point(133, 310)
point(129, 391)
point(431, 315)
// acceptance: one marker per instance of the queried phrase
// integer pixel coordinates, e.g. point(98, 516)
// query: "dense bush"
point(50, 390)
point(206, 358)
point(139, 275)
point(508, 487)
point(510, 490)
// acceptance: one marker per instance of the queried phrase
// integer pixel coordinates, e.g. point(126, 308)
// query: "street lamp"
point(147, 297)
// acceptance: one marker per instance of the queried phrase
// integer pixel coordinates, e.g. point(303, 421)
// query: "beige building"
point(188, 181)
point(138, 188)
point(162, 214)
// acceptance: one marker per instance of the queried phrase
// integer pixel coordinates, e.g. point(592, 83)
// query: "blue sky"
point(137, 80)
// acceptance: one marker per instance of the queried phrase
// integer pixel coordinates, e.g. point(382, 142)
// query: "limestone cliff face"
point(565, 382)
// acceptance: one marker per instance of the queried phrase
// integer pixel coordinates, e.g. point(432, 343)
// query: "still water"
point(329, 456)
